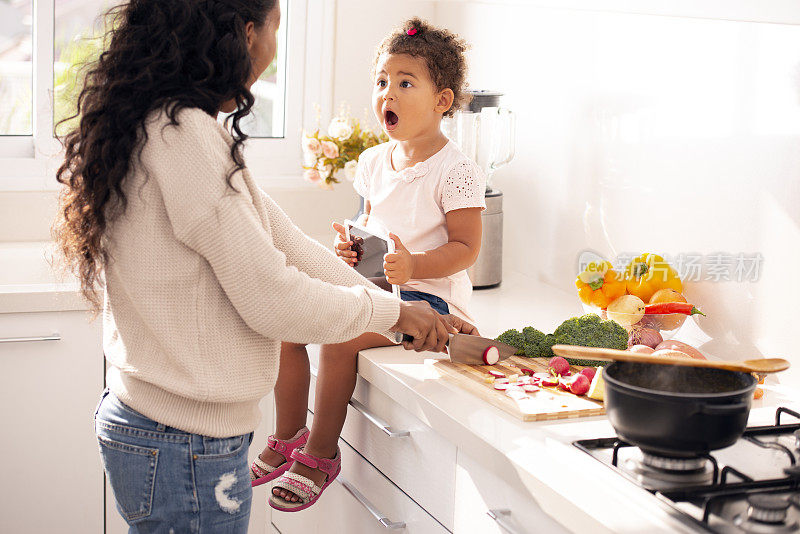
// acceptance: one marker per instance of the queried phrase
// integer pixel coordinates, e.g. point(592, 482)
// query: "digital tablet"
point(371, 248)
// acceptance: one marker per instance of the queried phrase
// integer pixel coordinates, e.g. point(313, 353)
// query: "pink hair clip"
point(411, 31)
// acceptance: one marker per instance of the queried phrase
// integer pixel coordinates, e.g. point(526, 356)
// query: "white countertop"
point(577, 490)
point(29, 283)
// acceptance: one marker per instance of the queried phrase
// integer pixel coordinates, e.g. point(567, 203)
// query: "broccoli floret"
point(532, 335)
point(539, 346)
point(590, 331)
point(514, 338)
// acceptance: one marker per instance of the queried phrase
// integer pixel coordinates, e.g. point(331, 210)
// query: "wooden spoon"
point(763, 366)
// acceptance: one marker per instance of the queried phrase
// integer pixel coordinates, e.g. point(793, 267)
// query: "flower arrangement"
point(325, 155)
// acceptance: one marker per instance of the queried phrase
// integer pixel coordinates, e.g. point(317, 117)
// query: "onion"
point(644, 336)
point(681, 347)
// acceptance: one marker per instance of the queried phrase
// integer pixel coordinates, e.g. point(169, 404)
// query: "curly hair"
point(167, 55)
point(442, 50)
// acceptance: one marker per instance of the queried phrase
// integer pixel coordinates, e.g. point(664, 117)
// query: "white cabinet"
point(492, 499)
point(411, 454)
point(52, 474)
point(361, 501)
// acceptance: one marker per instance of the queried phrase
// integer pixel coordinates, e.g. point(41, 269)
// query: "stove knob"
point(766, 508)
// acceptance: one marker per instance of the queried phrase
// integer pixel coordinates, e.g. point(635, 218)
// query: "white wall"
point(636, 133)
point(649, 133)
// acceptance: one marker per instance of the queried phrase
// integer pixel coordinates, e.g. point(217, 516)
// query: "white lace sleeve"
point(361, 181)
point(464, 187)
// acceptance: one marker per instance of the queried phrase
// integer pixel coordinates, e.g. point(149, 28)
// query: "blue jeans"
point(167, 480)
point(438, 304)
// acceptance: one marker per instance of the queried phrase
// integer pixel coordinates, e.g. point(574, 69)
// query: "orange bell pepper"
point(599, 285)
point(648, 273)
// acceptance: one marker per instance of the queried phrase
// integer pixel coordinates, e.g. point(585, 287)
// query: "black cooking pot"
point(674, 410)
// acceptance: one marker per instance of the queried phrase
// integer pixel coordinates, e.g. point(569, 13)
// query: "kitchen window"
point(44, 44)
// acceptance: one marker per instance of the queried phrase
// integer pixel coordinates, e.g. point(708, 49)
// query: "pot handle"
point(723, 409)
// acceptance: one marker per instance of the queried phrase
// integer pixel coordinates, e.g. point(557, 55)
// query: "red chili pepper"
point(672, 307)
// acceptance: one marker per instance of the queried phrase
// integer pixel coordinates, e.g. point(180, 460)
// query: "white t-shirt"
point(412, 204)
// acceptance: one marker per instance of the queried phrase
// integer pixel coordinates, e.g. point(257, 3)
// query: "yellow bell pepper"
point(599, 285)
point(648, 273)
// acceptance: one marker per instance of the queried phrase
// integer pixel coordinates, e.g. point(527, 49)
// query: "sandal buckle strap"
point(305, 459)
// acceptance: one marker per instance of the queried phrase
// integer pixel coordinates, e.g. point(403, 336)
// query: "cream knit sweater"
point(205, 282)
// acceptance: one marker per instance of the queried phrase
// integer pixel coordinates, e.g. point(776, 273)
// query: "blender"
point(485, 133)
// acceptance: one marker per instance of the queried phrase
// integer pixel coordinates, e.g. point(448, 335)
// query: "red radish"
point(526, 371)
point(530, 389)
point(567, 373)
point(559, 365)
point(496, 374)
point(564, 383)
point(588, 373)
point(580, 385)
point(550, 381)
point(501, 386)
point(491, 355)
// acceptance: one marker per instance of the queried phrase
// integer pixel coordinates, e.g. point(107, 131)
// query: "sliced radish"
point(549, 382)
point(503, 380)
point(530, 388)
point(496, 374)
point(499, 386)
point(516, 394)
point(491, 355)
point(542, 376)
point(526, 371)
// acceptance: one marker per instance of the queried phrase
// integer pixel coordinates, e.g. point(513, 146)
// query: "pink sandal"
point(261, 472)
point(304, 488)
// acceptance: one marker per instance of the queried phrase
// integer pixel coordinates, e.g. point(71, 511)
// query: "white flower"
point(324, 170)
point(340, 128)
point(350, 170)
point(311, 145)
point(309, 159)
point(330, 149)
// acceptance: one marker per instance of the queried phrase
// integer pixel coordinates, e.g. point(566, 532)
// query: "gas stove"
point(753, 486)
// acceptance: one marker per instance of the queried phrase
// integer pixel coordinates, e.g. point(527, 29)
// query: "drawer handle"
point(51, 337)
point(382, 519)
point(377, 421)
point(501, 518)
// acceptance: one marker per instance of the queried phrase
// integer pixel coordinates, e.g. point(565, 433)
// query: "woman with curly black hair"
point(201, 274)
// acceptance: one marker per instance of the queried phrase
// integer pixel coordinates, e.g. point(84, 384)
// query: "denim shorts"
point(167, 480)
point(438, 304)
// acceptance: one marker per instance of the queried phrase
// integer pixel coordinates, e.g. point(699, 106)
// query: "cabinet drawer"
point(361, 501)
point(491, 499)
point(414, 457)
point(49, 389)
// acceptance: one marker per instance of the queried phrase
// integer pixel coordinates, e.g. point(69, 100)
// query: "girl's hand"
point(342, 247)
point(399, 265)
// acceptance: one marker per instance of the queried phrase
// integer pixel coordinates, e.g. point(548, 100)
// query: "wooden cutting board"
point(547, 404)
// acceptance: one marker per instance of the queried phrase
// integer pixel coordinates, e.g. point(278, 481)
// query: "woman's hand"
point(430, 330)
point(461, 325)
point(341, 246)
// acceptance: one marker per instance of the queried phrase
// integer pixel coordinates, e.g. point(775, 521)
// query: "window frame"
point(29, 163)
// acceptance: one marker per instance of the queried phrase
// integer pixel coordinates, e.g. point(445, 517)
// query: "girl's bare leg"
point(335, 384)
point(291, 397)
